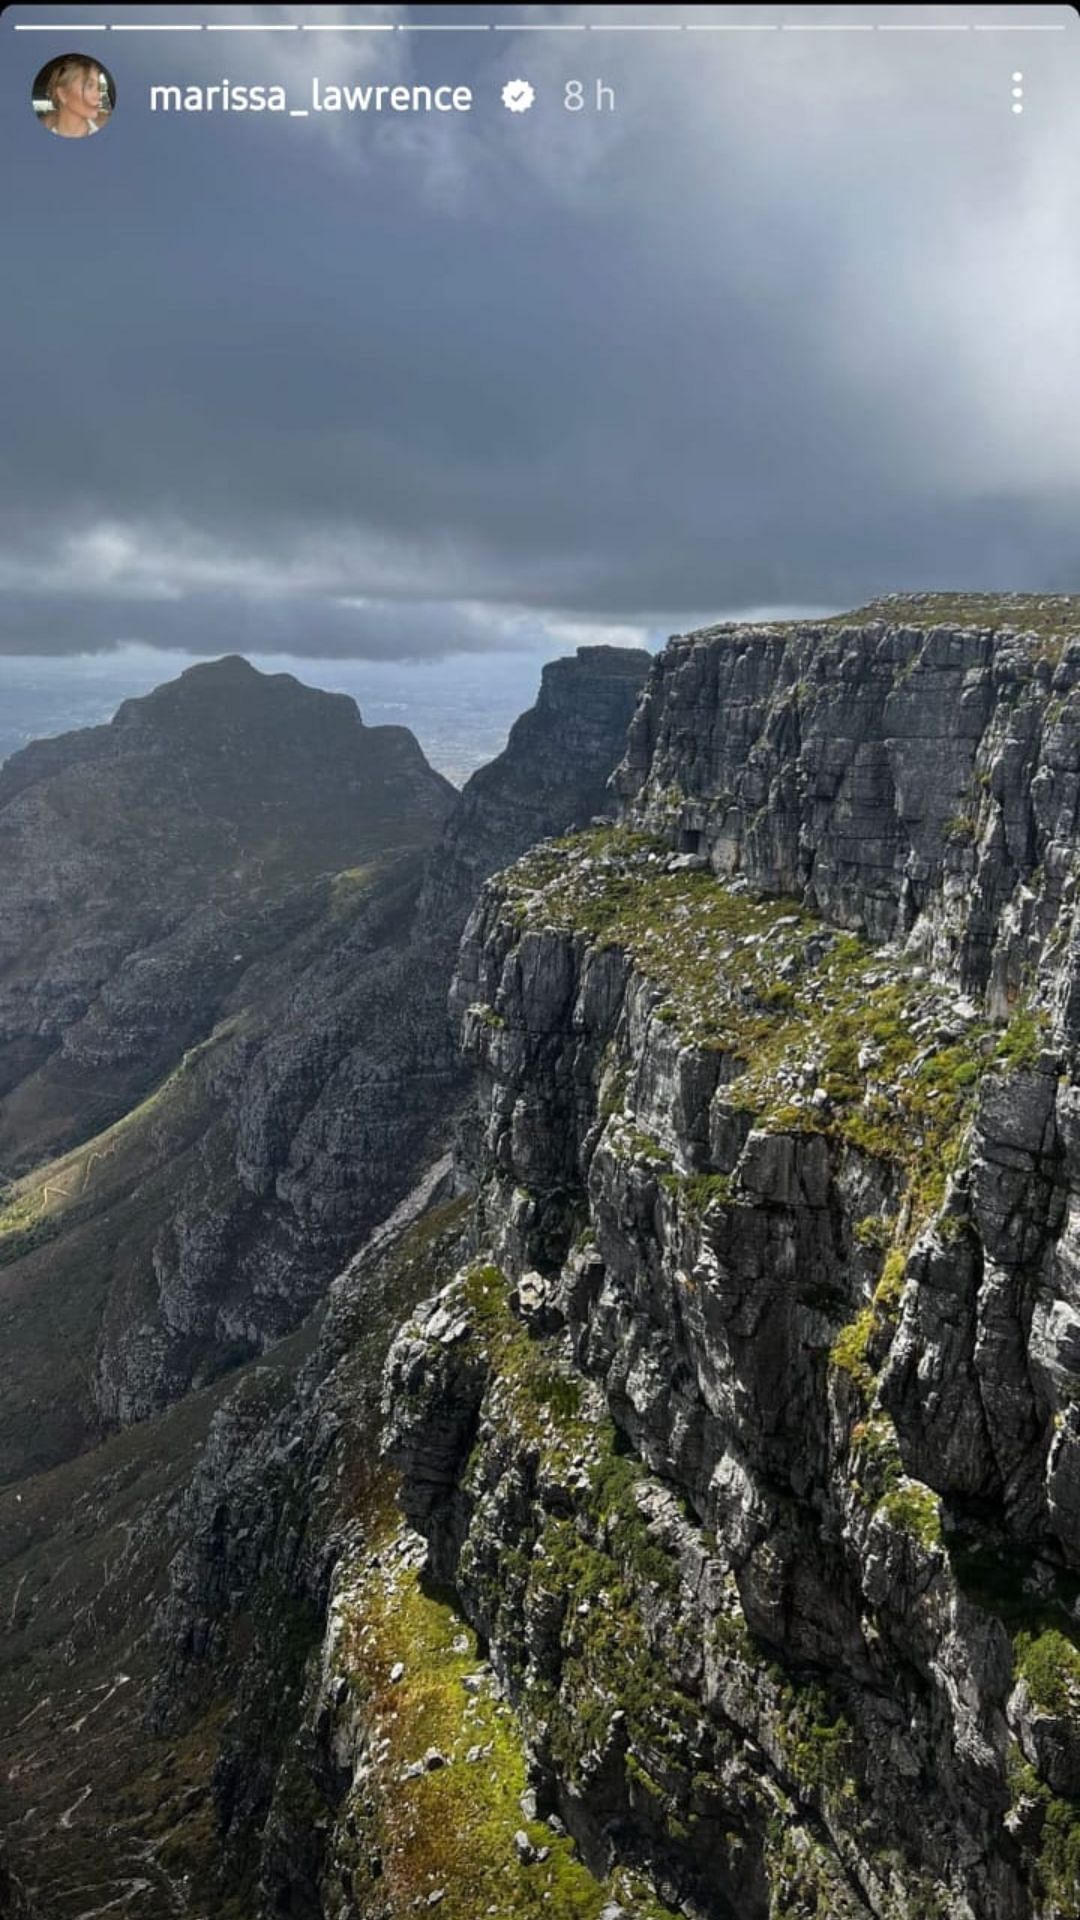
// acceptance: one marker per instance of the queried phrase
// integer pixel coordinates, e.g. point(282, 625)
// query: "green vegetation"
point(915, 1509)
point(1023, 1039)
point(642, 1146)
point(451, 1827)
point(850, 1349)
point(873, 1230)
point(961, 827)
point(613, 1593)
point(447, 1828)
point(890, 1287)
point(34, 1203)
point(700, 1191)
point(816, 1743)
point(21, 1218)
point(1051, 618)
point(736, 975)
point(1057, 1862)
point(348, 887)
point(82, 1574)
point(1050, 1665)
point(908, 1504)
point(595, 1569)
point(1059, 1854)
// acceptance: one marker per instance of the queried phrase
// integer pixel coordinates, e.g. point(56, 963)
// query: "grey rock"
point(837, 764)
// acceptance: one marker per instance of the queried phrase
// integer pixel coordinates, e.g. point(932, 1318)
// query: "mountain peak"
point(228, 694)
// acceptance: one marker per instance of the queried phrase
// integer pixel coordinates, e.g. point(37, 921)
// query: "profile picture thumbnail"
point(74, 95)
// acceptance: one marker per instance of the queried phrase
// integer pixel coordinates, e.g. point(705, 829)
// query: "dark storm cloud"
point(280, 623)
point(795, 326)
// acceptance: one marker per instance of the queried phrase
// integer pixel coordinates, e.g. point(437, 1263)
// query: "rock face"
point(222, 994)
point(899, 776)
point(747, 1437)
point(735, 1394)
point(552, 775)
point(12, 1903)
point(368, 1759)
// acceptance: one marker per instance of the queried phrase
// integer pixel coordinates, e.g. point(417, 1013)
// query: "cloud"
point(794, 325)
point(220, 619)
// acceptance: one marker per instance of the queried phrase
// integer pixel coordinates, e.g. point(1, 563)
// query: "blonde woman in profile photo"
point(76, 93)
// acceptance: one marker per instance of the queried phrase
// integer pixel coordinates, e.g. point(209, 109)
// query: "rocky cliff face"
point(734, 1397)
point(553, 774)
point(747, 1436)
point(12, 1904)
point(222, 1014)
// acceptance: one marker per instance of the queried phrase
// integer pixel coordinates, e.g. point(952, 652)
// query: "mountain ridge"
point(726, 1377)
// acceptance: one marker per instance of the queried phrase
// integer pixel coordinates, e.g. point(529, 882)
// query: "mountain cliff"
point(723, 1554)
point(775, 1152)
point(159, 1260)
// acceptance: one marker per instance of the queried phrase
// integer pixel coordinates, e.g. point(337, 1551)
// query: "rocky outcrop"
point(745, 1438)
point(904, 775)
point(552, 775)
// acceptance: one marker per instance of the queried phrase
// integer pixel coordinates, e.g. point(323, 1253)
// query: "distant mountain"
point(223, 1041)
point(145, 868)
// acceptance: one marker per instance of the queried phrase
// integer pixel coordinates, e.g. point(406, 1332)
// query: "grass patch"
point(914, 1508)
point(700, 1191)
point(449, 1828)
point(1050, 1665)
point(1023, 1039)
point(850, 1349)
point(890, 1287)
point(765, 984)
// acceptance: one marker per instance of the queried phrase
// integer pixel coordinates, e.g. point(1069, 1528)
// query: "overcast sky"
point(793, 326)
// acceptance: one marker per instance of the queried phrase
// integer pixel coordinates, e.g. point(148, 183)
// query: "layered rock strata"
point(747, 1437)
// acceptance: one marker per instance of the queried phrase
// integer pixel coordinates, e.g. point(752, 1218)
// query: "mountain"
point(747, 1438)
point(673, 1508)
point(146, 867)
point(224, 1041)
point(736, 1552)
point(153, 1272)
point(169, 882)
